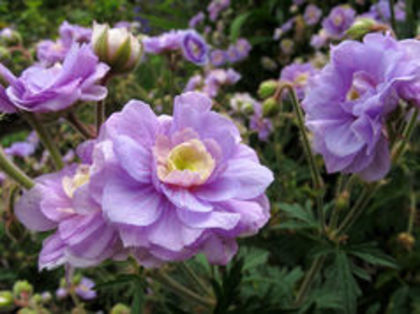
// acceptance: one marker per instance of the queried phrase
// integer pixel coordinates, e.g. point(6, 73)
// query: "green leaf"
point(254, 257)
point(371, 254)
point(299, 213)
point(235, 27)
point(138, 297)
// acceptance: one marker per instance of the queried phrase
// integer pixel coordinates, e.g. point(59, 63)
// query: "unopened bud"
point(120, 309)
point(6, 299)
point(267, 88)
point(4, 53)
point(270, 107)
point(343, 200)
point(406, 240)
point(22, 287)
point(360, 28)
point(117, 47)
point(10, 37)
point(247, 108)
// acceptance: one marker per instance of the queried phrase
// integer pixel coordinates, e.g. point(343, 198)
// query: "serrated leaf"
point(254, 257)
point(299, 213)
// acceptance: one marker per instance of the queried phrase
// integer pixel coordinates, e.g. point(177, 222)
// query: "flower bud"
point(360, 28)
point(120, 309)
point(4, 53)
point(6, 299)
point(247, 108)
point(10, 37)
point(270, 107)
point(406, 240)
point(117, 47)
point(22, 287)
point(267, 89)
point(27, 310)
point(343, 200)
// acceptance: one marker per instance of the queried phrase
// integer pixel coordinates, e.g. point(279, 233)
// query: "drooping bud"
point(120, 309)
point(270, 107)
point(22, 287)
point(267, 88)
point(360, 28)
point(343, 200)
point(6, 300)
point(117, 47)
point(406, 240)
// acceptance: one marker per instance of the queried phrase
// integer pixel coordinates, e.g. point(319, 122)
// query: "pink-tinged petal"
point(251, 177)
point(198, 101)
point(126, 202)
point(136, 120)
point(213, 219)
point(28, 211)
point(82, 202)
point(94, 93)
point(134, 158)
point(254, 214)
point(52, 253)
point(170, 233)
point(133, 236)
point(380, 164)
point(183, 198)
point(79, 227)
point(218, 250)
point(221, 189)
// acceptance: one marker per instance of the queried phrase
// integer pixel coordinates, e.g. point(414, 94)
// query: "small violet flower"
point(194, 48)
point(298, 74)
point(312, 14)
point(339, 21)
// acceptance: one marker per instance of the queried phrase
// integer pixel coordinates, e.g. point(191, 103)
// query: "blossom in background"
point(259, 124)
point(177, 186)
point(319, 40)
point(84, 288)
point(242, 103)
point(243, 47)
point(217, 6)
point(217, 78)
point(196, 20)
point(40, 89)
point(218, 57)
point(194, 48)
point(298, 74)
point(287, 46)
point(24, 148)
point(50, 52)
point(312, 14)
point(380, 11)
point(62, 201)
point(194, 83)
point(168, 41)
point(348, 103)
point(287, 26)
point(339, 21)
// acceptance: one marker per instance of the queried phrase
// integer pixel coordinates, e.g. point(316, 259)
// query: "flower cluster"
point(349, 102)
point(159, 188)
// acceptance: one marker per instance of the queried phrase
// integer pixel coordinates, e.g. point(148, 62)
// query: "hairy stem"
point(79, 126)
point(12, 171)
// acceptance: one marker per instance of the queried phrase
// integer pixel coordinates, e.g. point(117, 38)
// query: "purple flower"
point(232, 54)
point(217, 78)
point(169, 41)
point(259, 124)
point(177, 186)
point(61, 293)
point(25, 148)
point(194, 48)
point(85, 289)
point(196, 20)
point(62, 201)
point(319, 40)
point(218, 57)
point(217, 6)
point(6, 33)
point(338, 21)
point(380, 11)
point(312, 14)
point(70, 34)
point(42, 89)
point(243, 47)
point(348, 103)
point(298, 75)
point(194, 83)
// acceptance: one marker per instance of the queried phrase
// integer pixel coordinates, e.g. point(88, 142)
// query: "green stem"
point(180, 290)
point(45, 138)
point(100, 115)
point(412, 216)
point(11, 170)
point(391, 10)
point(194, 278)
point(316, 176)
point(79, 126)
point(308, 279)
point(406, 134)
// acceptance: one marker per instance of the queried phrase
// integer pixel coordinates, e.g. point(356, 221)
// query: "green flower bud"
point(76, 279)
point(4, 53)
point(267, 88)
point(22, 286)
point(26, 310)
point(10, 37)
point(117, 47)
point(120, 308)
point(37, 298)
point(343, 200)
point(247, 108)
point(270, 107)
point(360, 28)
point(6, 299)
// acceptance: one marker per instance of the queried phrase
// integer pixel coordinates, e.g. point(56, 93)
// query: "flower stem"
point(9, 168)
point(45, 138)
point(194, 278)
point(308, 279)
point(391, 10)
point(406, 134)
point(316, 176)
point(180, 290)
point(100, 115)
point(79, 126)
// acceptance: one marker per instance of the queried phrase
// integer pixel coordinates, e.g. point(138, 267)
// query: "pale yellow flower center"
point(71, 184)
